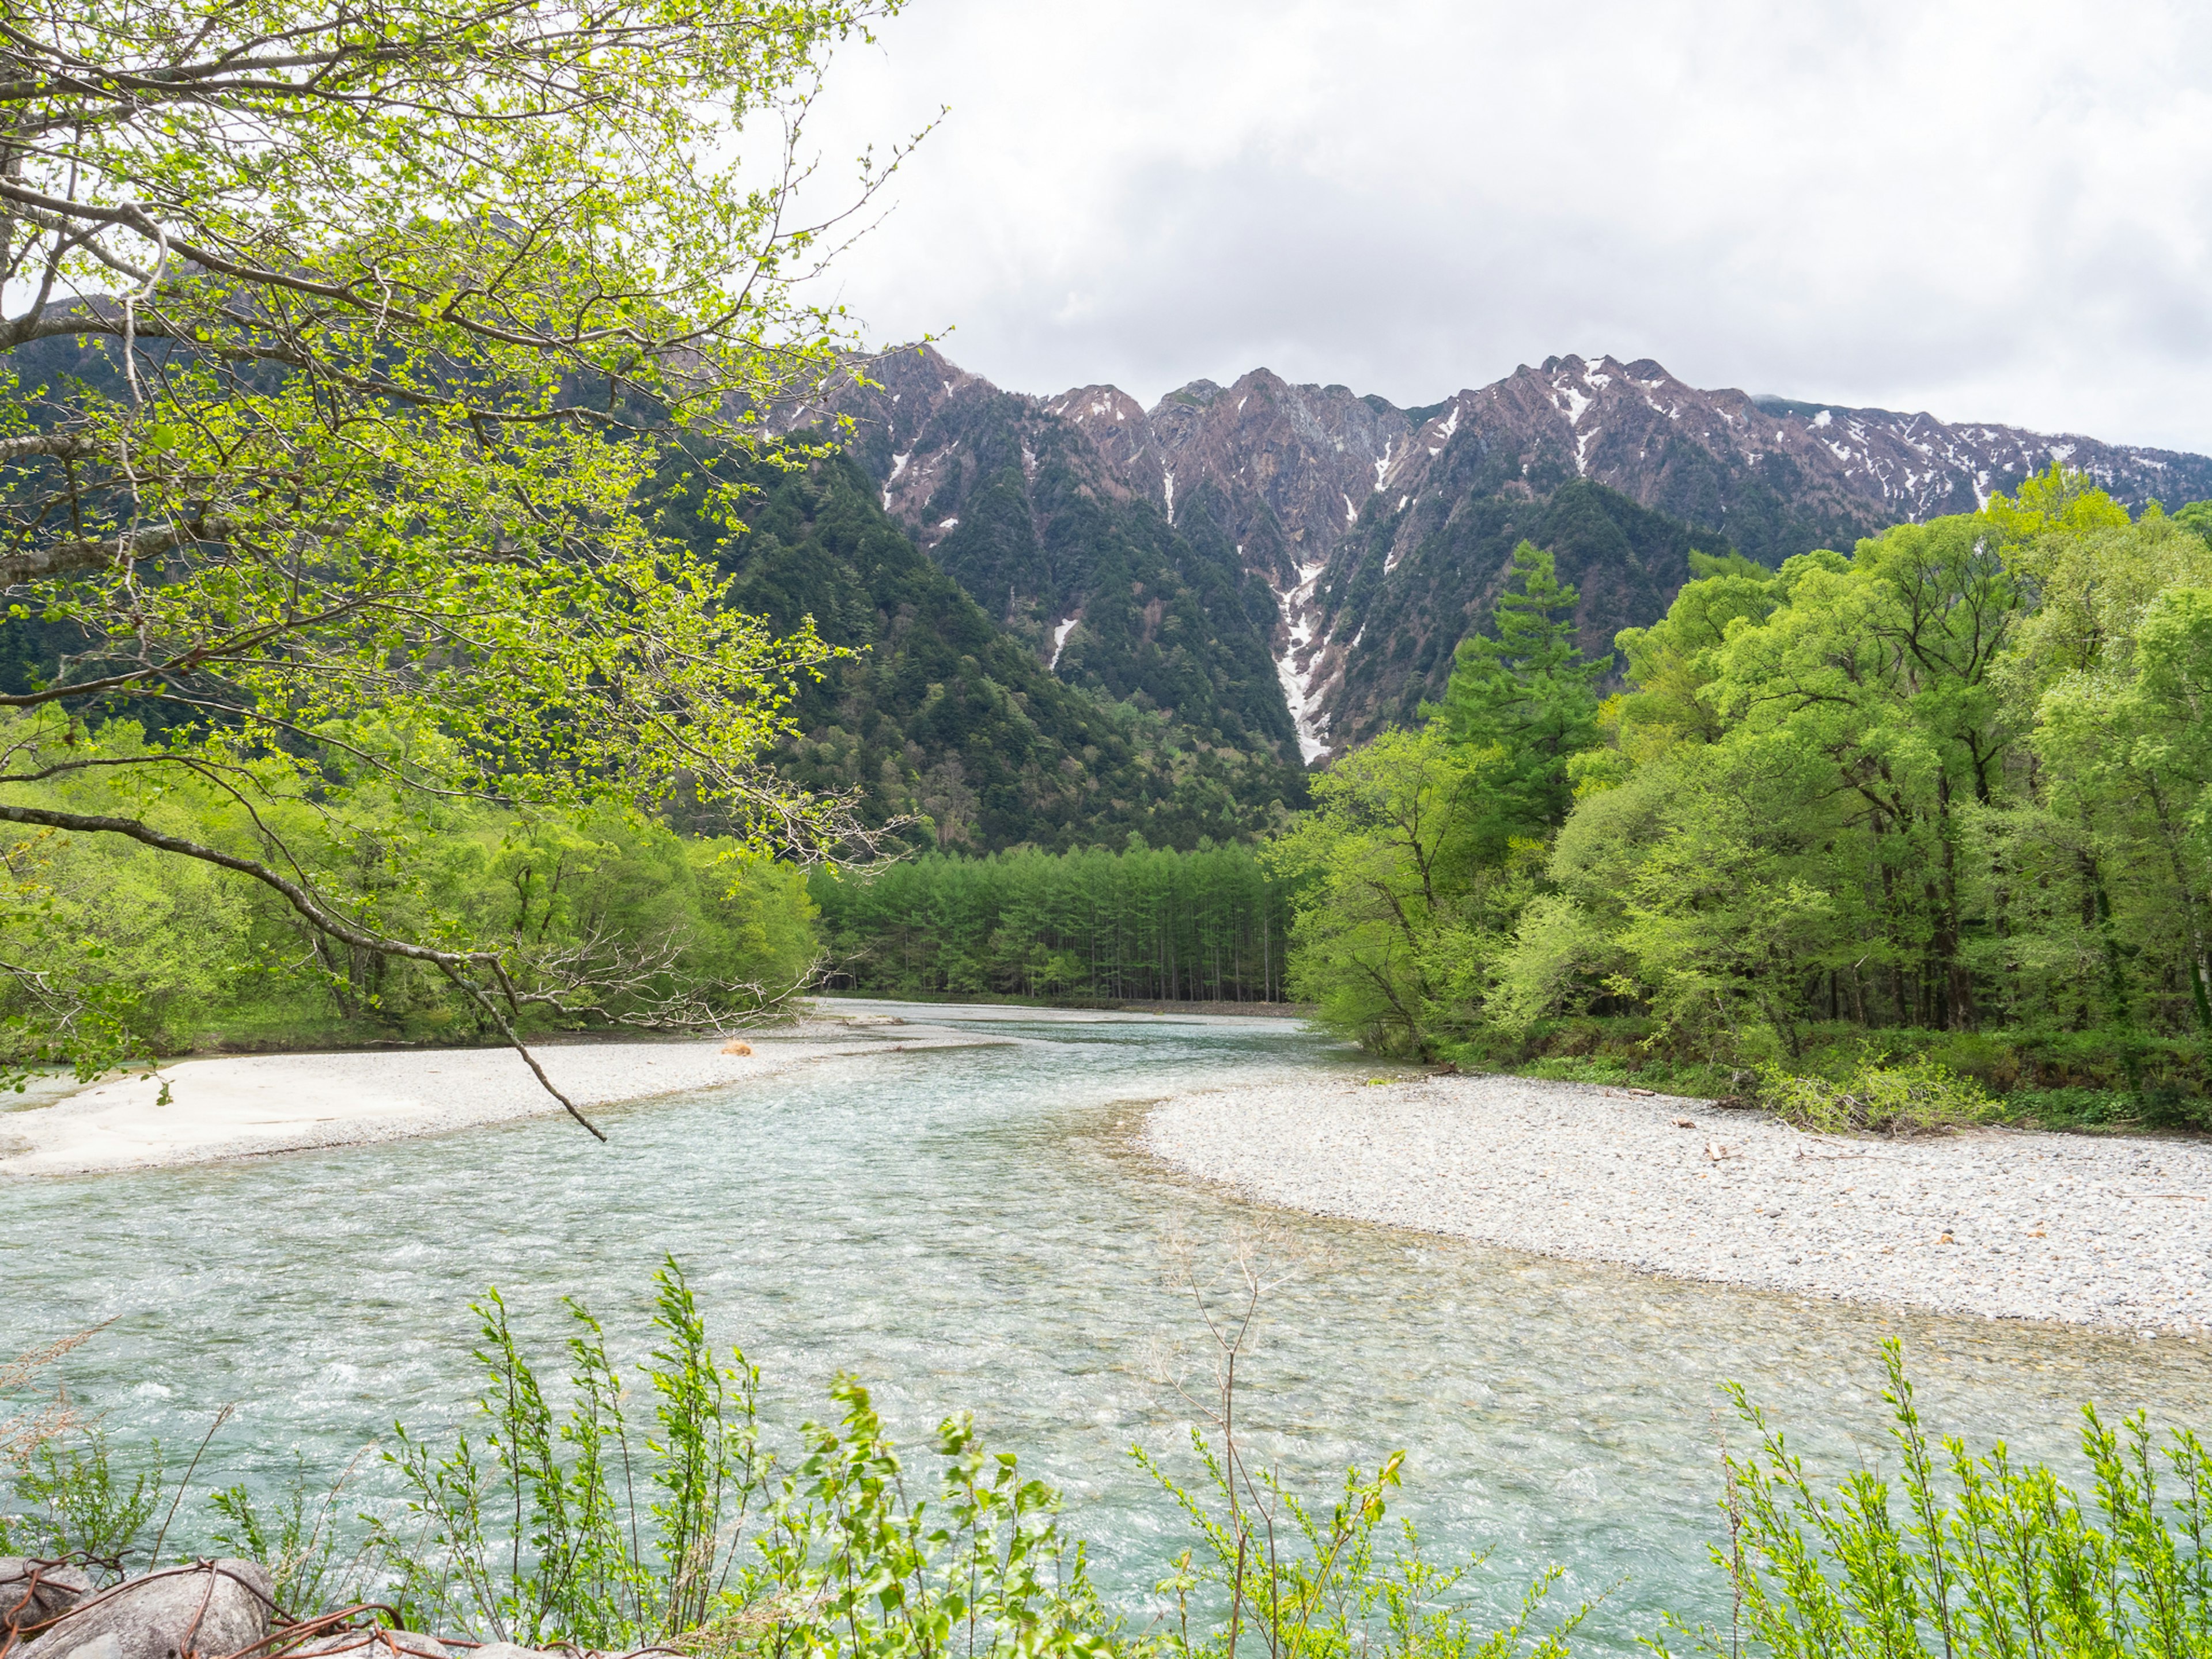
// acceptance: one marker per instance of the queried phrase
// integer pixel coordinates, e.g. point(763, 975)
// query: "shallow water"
point(971, 1230)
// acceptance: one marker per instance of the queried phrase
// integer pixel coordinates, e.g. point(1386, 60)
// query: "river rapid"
point(973, 1230)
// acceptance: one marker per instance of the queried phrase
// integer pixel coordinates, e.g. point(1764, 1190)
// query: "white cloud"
point(1994, 211)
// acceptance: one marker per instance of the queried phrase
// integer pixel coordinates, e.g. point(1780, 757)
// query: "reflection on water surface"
point(970, 1229)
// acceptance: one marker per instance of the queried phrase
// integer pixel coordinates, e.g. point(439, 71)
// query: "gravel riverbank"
point(253, 1106)
point(2086, 1230)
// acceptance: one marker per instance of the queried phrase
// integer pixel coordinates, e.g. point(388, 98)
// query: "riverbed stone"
point(32, 1591)
point(2103, 1230)
point(209, 1607)
point(377, 1642)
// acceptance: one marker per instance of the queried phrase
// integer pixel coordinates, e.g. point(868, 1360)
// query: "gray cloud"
point(1995, 211)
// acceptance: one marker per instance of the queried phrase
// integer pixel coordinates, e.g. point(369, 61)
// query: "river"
point(970, 1229)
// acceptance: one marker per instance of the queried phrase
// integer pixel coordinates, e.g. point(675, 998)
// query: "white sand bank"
point(2098, 1230)
point(252, 1106)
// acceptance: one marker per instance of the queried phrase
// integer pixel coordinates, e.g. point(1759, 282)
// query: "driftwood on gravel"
point(211, 1608)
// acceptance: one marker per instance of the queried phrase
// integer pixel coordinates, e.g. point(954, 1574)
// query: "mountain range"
point(1079, 619)
point(1267, 561)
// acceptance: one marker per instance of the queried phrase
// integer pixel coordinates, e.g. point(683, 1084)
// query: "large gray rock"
point(376, 1643)
point(32, 1592)
point(173, 1613)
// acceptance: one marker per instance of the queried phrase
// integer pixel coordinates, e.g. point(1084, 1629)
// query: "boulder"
point(366, 1642)
point(33, 1592)
point(210, 1607)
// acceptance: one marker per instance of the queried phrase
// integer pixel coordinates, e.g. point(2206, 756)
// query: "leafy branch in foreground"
point(2010, 1563)
point(349, 338)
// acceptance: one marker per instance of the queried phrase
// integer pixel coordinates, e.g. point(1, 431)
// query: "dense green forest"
point(608, 917)
point(1143, 923)
point(1949, 794)
point(941, 715)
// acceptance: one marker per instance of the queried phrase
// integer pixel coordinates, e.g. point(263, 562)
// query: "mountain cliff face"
point(1279, 563)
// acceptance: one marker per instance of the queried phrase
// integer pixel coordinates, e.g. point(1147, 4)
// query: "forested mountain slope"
point(947, 716)
point(1114, 590)
point(1377, 532)
point(944, 714)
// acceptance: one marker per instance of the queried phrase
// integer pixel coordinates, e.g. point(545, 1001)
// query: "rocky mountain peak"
point(1337, 502)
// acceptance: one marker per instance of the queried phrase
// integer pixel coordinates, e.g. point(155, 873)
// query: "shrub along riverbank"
point(608, 916)
point(611, 919)
point(590, 1528)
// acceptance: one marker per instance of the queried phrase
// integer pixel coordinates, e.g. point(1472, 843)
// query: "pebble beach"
point(2111, 1231)
point(208, 1111)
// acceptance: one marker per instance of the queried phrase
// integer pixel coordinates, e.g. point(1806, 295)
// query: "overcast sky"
point(1992, 211)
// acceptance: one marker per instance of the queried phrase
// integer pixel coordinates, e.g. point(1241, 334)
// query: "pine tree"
point(1526, 688)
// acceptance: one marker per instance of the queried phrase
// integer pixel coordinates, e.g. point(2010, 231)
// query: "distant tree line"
point(1144, 924)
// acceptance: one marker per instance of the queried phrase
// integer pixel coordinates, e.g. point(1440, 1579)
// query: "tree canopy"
point(1953, 787)
point(347, 336)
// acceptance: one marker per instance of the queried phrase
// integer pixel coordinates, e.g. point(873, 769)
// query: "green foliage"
point(297, 1540)
point(1421, 854)
point(1397, 919)
point(1918, 1097)
point(1305, 1583)
point(851, 1566)
point(79, 1505)
point(1958, 782)
point(346, 352)
point(119, 950)
point(1144, 923)
point(1524, 689)
point(582, 1529)
point(2008, 1563)
point(586, 1556)
point(2074, 1108)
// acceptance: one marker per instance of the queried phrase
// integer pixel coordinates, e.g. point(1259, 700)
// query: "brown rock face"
point(1382, 534)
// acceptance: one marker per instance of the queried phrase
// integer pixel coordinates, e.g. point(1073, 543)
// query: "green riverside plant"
point(1918, 1097)
point(2007, 1563)
point(588, 1530)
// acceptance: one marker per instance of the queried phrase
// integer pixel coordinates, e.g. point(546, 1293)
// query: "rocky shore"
point(2097, 1231)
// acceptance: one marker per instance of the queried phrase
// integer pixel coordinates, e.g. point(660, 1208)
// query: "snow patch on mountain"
point(1300, 667)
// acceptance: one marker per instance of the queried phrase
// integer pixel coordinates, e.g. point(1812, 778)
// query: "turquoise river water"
point(972, 1229)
